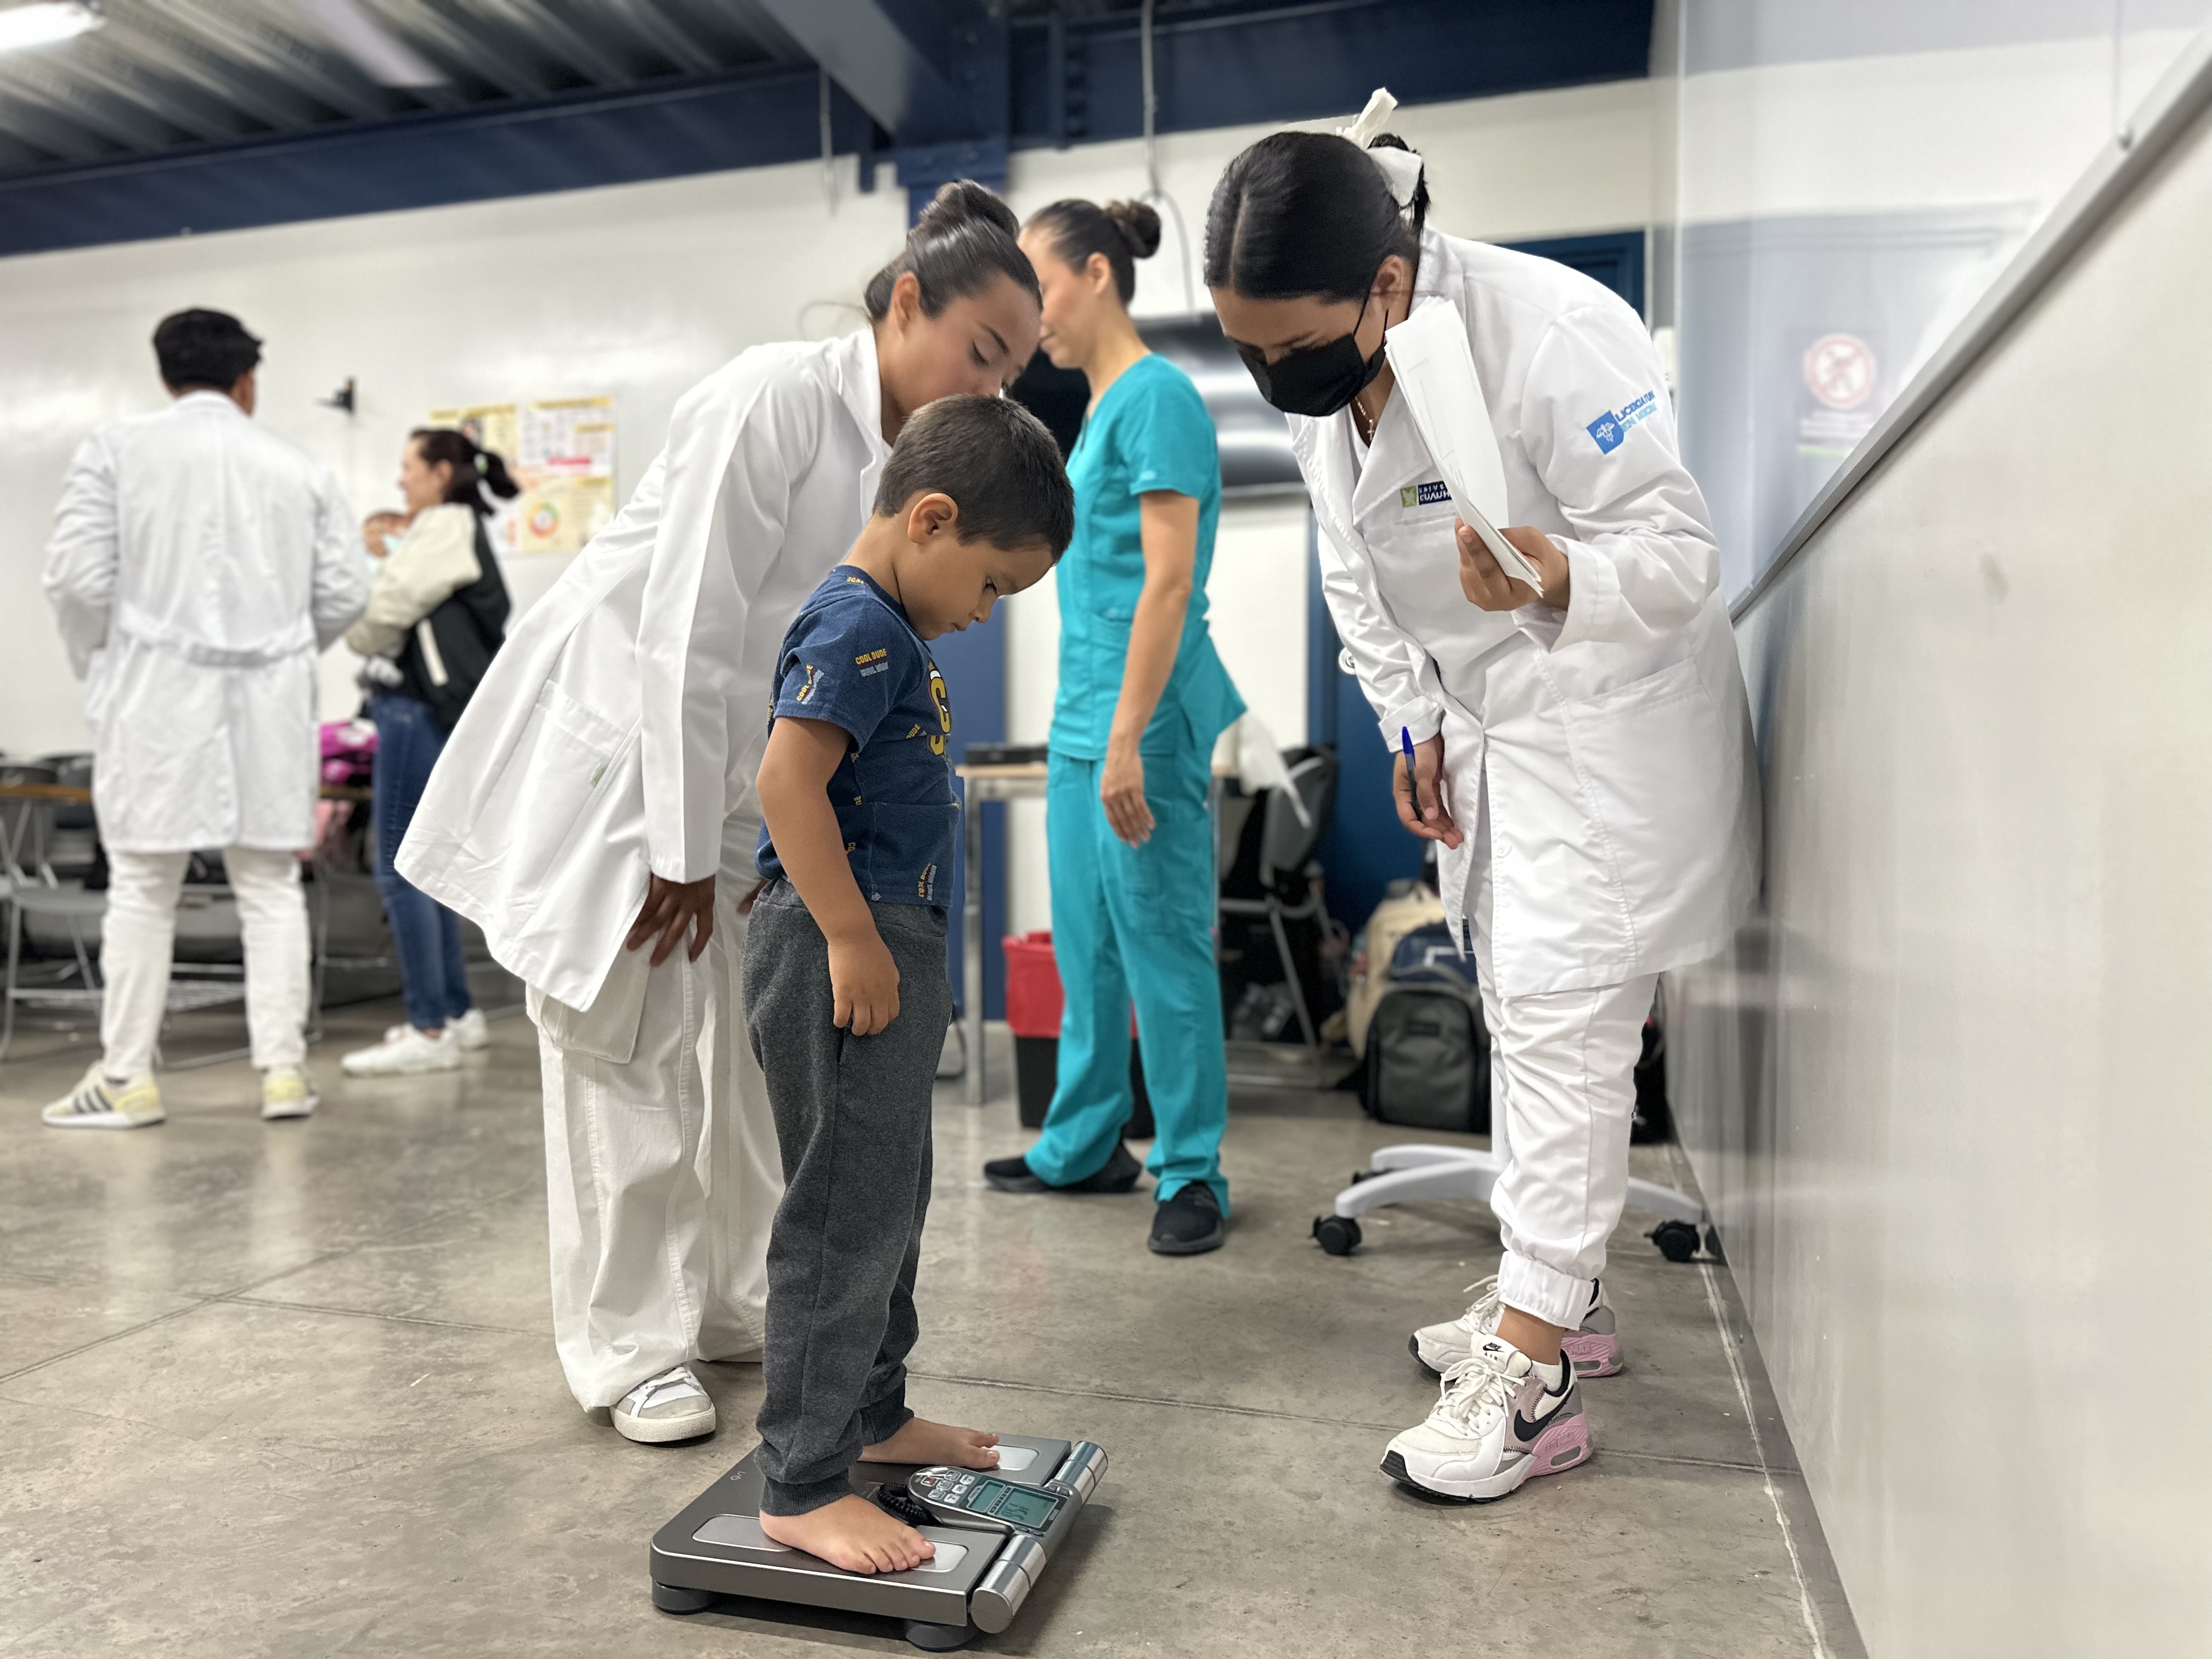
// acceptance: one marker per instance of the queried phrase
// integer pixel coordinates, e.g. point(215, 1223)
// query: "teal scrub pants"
point(1135, 924)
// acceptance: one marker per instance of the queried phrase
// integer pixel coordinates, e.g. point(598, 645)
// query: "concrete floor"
point(289, 1390)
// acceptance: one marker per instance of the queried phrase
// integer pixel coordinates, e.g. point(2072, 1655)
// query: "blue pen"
point(1406, 742)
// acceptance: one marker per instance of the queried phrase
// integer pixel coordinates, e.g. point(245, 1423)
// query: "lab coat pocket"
point(608, 1029)
point(1651, 758)
point(566, 753)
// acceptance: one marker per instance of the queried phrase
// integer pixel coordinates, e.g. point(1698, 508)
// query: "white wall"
point(637, 291)
point(1942, 1094)
point(2015, 122)
point(1946, 1096)
point(1865, 170)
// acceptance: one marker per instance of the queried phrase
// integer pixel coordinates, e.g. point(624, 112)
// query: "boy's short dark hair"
point(204, 348)
point(996, 461)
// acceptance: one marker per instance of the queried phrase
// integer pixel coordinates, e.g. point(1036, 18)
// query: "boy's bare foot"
point(852, 1534)
point(921, 1442)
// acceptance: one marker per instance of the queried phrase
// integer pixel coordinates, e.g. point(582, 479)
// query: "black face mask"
point(1317, 379)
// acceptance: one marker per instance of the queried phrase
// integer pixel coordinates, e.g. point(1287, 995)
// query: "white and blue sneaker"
point(1501, 1418)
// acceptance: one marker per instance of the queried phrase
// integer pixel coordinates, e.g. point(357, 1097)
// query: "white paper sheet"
point(1430, 356)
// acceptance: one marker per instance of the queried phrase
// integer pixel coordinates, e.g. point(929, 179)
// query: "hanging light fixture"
point(44, 22)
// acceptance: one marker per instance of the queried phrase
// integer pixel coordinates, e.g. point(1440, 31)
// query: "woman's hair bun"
point(1139, 225)
point(964, 202)
point(965, 240)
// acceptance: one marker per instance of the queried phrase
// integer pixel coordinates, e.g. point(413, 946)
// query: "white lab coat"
point(620, 726)
point(1613, 740)
point(199, 566)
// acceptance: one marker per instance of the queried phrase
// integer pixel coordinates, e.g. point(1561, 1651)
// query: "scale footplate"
point(981, 1574)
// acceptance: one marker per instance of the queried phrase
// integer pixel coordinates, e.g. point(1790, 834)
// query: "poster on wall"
point(562, 454)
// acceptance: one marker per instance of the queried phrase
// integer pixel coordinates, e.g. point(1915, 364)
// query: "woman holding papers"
point(1569, 692)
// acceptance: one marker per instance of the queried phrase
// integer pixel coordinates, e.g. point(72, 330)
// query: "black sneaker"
point(1119, 1175)
point(1189, 1224)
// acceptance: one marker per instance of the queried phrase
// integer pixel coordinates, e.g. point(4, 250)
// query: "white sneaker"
point(669, 1407)
point(1594, 1347)
point(1501, 1419)
point(404, 1050)
point(470, 1031)
point(99, 1102)
point(285, 1092)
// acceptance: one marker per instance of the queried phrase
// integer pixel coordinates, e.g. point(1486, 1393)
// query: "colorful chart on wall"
point(562, 453)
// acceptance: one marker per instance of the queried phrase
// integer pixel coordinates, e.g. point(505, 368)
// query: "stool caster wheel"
point(1677, 1240)
point(1713, 1245)
point(1338, 1235)
point(674, 1598)
point(1358, 1176)
point(939, 1638)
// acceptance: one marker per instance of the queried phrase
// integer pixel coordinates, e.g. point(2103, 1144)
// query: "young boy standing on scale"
point(847, 996)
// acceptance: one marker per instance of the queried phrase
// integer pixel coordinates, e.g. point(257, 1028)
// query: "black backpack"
point(1428, 1051)
point(449, 650)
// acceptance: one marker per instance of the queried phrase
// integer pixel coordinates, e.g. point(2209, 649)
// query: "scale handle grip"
point(1084, 1468)
point(998, 1595)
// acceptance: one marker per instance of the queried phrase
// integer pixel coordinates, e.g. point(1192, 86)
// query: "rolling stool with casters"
point(1401, 1174)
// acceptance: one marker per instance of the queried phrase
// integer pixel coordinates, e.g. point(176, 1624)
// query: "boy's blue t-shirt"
point(851, 658)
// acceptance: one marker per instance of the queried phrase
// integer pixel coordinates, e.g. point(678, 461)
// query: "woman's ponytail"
point(1418, 205)
point(496, 478)
point(476, 469)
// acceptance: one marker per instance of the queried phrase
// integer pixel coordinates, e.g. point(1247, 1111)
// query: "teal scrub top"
point(1151, 431)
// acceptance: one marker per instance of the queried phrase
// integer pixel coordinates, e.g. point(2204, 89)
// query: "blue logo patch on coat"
point(1431, 494)
point(1611, 428)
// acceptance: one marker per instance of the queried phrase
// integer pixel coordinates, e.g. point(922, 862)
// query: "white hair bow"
point(1401, 169)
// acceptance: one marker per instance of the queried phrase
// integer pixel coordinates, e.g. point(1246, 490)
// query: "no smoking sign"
point(1839, 370)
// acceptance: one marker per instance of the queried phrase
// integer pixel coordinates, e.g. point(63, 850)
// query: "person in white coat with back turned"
point(595, 805)
point(199, 566)
point(1582, 753)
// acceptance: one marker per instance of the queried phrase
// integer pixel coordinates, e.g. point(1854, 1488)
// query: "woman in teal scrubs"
point(1142, 697)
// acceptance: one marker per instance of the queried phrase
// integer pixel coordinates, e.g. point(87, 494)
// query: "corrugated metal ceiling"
point(164, 73)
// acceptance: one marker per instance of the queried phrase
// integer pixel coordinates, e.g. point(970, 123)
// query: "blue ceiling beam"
point(1081, 83)
point(932, 73)
point(897, 62)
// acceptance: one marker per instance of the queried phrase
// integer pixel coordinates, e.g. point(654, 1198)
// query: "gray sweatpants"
point(852, 1120)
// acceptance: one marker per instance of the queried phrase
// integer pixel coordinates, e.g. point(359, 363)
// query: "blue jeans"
point(433, 974)
point(1135, 925)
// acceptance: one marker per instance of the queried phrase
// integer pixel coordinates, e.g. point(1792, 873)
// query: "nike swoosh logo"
point(1526, 1430)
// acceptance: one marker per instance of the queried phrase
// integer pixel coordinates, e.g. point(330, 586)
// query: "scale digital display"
point(1022, 1507)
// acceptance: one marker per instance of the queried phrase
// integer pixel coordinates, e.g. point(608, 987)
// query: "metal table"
point(985, 783)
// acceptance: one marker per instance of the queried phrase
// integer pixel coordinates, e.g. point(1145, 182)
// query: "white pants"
point(661, 1172)
point(1562, 1082)
point(138, 937)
